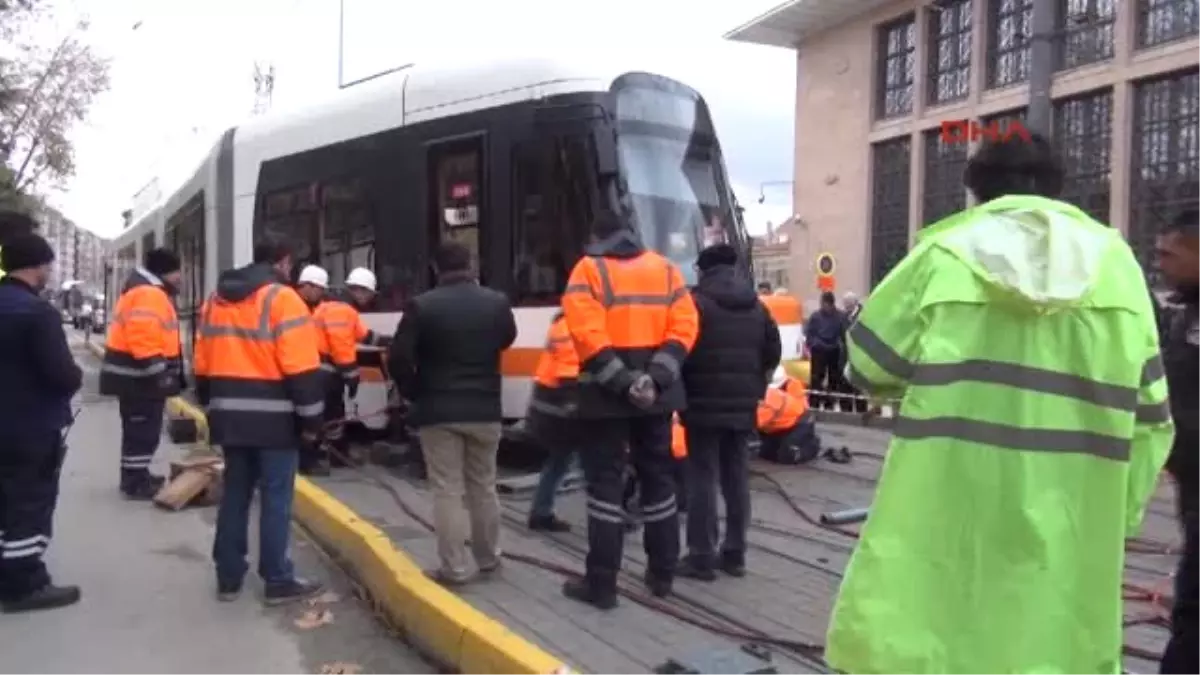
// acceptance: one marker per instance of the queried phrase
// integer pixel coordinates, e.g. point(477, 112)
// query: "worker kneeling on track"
point(142, 366)
point(725, 374)
point(633, 323)
point(340, 330)
point(1032, 427)
point(787, 430)
point(258, 374)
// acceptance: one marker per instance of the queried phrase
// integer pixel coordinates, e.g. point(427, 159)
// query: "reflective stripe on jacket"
point(141, 353)
point(258, 367)
point(627, 314)
point(1031, 430)
point(340, 330)
point(779, 410)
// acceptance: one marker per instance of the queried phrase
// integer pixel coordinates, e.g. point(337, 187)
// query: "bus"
point(510, 157)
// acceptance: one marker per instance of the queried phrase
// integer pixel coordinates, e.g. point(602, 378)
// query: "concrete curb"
point(436, 622)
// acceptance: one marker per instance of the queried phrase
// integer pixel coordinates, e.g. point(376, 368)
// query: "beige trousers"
point(460, 459)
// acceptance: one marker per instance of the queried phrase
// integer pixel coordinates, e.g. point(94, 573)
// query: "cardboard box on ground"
point(194, 481)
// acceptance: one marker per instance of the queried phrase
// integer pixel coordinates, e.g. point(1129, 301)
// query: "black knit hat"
point(160, 262)
point(717, 254)
point(25, 251)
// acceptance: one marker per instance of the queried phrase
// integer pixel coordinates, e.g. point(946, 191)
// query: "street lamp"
point(762, 188)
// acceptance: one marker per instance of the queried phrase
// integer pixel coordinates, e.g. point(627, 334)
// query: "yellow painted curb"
point(434, 620)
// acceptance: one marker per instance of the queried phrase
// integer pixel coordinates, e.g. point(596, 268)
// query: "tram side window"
point(185, 235)
point(459, 198)
point(347, 229)
point(549, 222)
point(147, 243)
point(291, 214)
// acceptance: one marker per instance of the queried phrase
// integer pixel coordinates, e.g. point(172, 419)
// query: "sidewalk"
point(148, 589)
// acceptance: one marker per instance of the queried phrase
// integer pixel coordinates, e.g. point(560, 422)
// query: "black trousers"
point(1182, 654)
point(603, 453)
point(29, 473)
point(717, 456)
point(141, 432)
point(334, 434)
point(826, 375)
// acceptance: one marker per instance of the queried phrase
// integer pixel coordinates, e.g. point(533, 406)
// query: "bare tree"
point(55, 88)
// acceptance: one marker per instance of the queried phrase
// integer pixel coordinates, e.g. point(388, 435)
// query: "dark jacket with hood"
point(37, 371)
point(825, 330)
point(735, 355)
point(445, 356)
point(1181, 360)
point(291, 401)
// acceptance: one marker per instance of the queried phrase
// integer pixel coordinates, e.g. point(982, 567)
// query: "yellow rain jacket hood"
point(1032, 425)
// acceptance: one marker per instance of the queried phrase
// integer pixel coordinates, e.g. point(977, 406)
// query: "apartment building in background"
point(79, 255)
point(772, 255)
point(1115, 83)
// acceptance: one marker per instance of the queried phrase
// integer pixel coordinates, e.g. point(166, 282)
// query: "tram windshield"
point(675, 177)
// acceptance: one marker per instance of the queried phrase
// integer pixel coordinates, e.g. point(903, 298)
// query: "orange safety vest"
point(257, 366)
point(340, 330)
point(557, 373)
point(679, 449)
point(795, 387)
point(779, 411)
point(141, 353)
point(626, 315)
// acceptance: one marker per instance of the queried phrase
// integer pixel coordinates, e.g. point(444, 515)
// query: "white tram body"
point(509, 157)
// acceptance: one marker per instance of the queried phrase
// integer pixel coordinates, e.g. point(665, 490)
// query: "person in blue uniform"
point(39, 377)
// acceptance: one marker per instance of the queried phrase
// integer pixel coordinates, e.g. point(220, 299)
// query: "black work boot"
point(143, 488)
point(734, 563)
point(695, 568)
point(290, 591)
point(659, 585)
point(581, 590)
point(46, 597)
point(550, 523)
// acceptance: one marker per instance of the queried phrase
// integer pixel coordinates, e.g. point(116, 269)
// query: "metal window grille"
point(1086, 32)
point(897, 63)
point(1010, 25)
point(1082, 135)
point(950, 51)
point(890, 168)
point(1162, 21)
point(942, 192)
point(1165, 158)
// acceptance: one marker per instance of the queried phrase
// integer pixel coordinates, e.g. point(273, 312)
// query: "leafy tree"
point(44, 93)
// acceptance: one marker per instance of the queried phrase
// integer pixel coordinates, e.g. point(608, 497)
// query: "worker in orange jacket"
point(786, 428)
point(258, 374)
point(142, 366)
point(633, 323)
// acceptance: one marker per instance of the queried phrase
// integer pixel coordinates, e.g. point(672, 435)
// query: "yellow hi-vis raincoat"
point(1032, 427)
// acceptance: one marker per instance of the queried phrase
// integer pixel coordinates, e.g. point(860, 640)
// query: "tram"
point(510, 157)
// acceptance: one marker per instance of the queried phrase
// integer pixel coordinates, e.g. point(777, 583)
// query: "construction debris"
point(341, 668)
point(194, 481)
point(313, 618)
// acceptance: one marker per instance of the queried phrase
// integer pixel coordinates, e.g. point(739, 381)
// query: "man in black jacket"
point(825, 336)
point(445, 359)
point(39, 377)
point(725, 376)
point(1179, 260)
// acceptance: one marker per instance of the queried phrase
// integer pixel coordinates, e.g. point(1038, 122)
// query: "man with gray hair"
point(851, 306)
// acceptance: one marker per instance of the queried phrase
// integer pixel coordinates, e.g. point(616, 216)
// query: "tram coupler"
point(847, 517)
point(751, 659)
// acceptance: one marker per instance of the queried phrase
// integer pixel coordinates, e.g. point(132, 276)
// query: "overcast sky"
point(186, 73)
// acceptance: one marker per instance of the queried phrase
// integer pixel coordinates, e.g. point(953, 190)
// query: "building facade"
point(79, 255)
point(876, 79)
point(772, 254)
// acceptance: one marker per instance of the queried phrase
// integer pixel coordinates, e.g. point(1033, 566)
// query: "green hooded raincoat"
point(1033, 423)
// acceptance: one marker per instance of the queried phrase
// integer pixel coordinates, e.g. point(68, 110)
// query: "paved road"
point(147, 581)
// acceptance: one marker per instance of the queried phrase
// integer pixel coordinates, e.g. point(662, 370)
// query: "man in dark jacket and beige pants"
point(445, 359)
point(725, 375)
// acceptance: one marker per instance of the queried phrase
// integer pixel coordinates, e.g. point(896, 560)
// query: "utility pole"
point(341, 43)
point(1042, 51)
point(264, 86)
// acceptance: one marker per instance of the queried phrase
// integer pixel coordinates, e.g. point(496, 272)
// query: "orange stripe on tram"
point(514, 362)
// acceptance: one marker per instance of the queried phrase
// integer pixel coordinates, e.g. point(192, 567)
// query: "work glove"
point(643, 393)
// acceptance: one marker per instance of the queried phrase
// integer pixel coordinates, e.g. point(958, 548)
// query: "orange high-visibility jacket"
point(340, 329)
point(628, 314)
point(141, 354)
point(257, 364)
point(679, 449)
point(780, 410)
point(556, 379)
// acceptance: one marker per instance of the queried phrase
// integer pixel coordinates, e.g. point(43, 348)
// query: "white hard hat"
point(361, 277)
point(311, 274)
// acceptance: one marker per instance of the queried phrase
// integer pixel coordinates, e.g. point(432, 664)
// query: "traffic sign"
point(826, 265)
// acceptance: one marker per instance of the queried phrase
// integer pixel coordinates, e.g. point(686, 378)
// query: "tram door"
point(457, 202)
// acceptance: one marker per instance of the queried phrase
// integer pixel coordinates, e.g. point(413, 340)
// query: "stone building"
point(1114, 83)
point(79, 253)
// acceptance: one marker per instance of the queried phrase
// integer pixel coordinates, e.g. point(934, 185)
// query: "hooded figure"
point(1033, 423)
